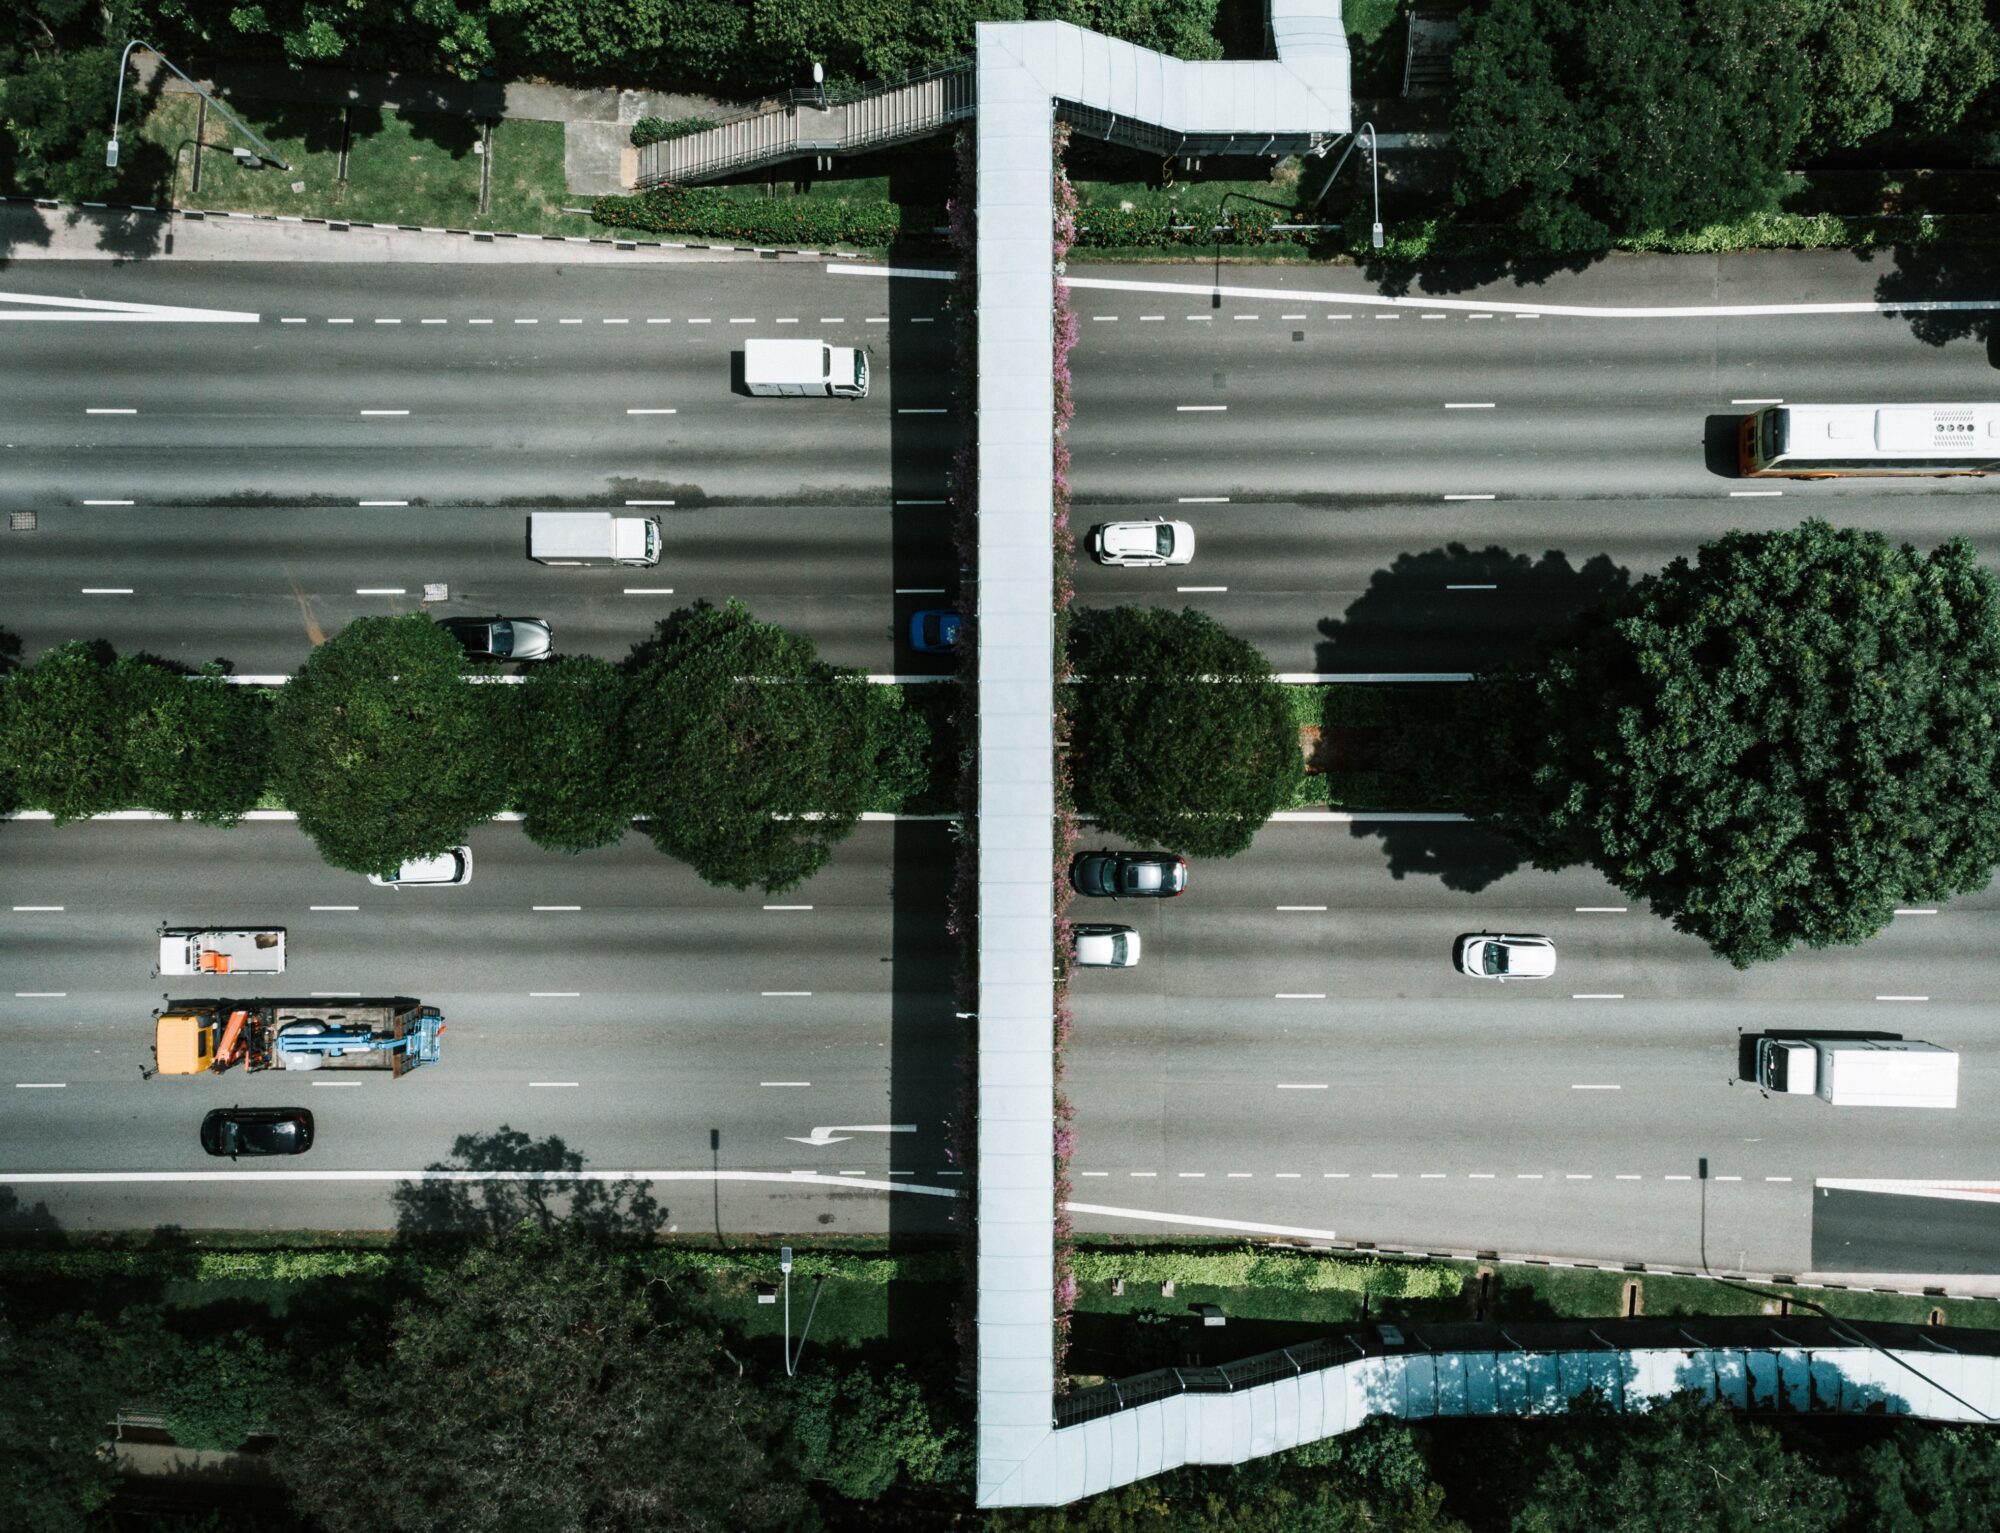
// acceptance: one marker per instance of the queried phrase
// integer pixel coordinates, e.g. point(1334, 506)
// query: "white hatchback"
point(1504, 956)
point(1142, 543)
point(1106, 947)
point(452, 867)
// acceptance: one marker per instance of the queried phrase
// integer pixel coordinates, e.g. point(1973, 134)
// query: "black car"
point(502, 638)
point(1129, 875)
point(235, 1131)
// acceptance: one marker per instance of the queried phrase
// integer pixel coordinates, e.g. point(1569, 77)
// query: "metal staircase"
point(816, 122)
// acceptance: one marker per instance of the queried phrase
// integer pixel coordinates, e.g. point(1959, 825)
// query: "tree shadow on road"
point(1930, 274)
point(501, 1181)
point(1454, 609)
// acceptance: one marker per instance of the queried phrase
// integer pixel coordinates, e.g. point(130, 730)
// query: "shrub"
point(728, 213)
point(657, 130)
point(1270, 1269)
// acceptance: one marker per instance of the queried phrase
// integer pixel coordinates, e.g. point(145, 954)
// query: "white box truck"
point(592, 538)
point(222, 950)
point(801, 369)
point(1860, 1072)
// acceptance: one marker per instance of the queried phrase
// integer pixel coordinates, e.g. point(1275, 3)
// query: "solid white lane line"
point(551, 1083)
point(385, 412)
point(1470, 497)
point(106, 591)
point(649, 503)
point(381, 502)
point(1469, 407)
point(333, 907)
point(557, 907)
point(1302, 1085)
point(379, 591)
point(640, 410)
point(1902, 998)
point(1754, 494)
point(1301, 907)
point(1199, 409)
point(554, 995)
point(1300, 995)
point(1576, 1087)
point(107, 503)
point(649, 590)
point(1918, 912)
point(40, 907)
point(1601, 910)
point(110, 412)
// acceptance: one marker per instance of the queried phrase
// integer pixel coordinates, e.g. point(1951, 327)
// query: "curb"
point(479, 236)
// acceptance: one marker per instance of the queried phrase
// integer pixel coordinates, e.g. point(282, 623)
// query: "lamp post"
point(1374, 180)
point(791, 1357)
point(270, 156)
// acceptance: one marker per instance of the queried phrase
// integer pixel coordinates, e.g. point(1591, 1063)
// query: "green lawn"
point(420, 168)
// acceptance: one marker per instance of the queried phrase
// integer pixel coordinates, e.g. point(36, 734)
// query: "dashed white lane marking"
point(385, 412)
point(41, 1085)
point(1575, 1086)
point(340, 322)
point(1777, 1178)
point(785, 1083)
point(1527, 1176)
point(40, 907)
point(1301, 907)
point(40, 995)
point(1093, 1173)
point(1291, 316)
point(1301, 995)
point(1204, 500)
point(1239, 1176)
point(527, 322)
point(1754, 494)
point(622, 321)
point(1384, 1176)
point(831, 319)
point(333, 907)
point(569, 321)
point(108, 410)
point(1929, 911)
point(1200, 409)
point(379, 591)
point(1626, 1176)
point(1150, 318)
point(1142, 1174)
point(701, 322)
point(918, 502)
point(769, 993)
point(1756, 401)
point(554, 995)
point(1191, 1175)
point(290, 321)
point(1597, 996)
point(876, 319)
point(335, 995)
point(1729, 1178)
point(1302, 1085)
point(105, 591)
point(388, 321)
point(1104, 319)
point(1335, 1176)
point(479, 321)
point(791, 320)
point(107, 502)
point(330, 1084)
point(1479, 1176)
point(651, 410)
point(788, 907)
point(1286, 1176)
point(381, 502)
point(1470, 407)
point(555, 907)
point(649, 503)
point(751, 321)
point(433, 321)
point(551, 1084)
point(920, 409)
point(923, 319)
point(1469, 586)
point(853, 1173)
point(1246, 316)
point(649, 590)
point(658, 320)
point(1678, 1178)
point(1601, 910)
point(1201, 590)
point(1430, 1176)
point(1902, 998)
point(1577, 1176)
point(1470, 497)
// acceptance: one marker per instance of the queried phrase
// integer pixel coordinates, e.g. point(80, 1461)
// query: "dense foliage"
point(860, 1433)
point(572, 768)
point(752, 757)
point(1778, 743)
point(1874, 62)
point(85, 731)
point(383, 748)
point(749, 216)
point(1180, 734)
point(56, 1394)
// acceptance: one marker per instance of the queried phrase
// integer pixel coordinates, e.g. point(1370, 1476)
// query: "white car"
point(1106, 947)
point(1504, 956)
point(1142, 543)
point(453, 867)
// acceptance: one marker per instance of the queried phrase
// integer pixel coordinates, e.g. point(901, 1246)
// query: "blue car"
point(935, 629)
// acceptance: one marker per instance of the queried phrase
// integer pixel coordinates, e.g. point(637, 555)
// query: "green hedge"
point(1104, 226)
point(657, 130)
point(728, 213)
point(1270, 1269)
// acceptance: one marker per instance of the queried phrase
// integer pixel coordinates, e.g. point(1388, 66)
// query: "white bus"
point(1821, 441)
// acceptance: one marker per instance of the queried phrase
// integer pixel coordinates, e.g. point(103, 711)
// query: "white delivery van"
point(1860, 1072)
point(591, 538)
point(222, 950)
point(805, 368)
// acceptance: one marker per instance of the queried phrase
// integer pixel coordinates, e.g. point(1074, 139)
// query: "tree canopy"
point(1870, 60)
point(1778, 743)
point(539, 1383)
point(1587, 119)
point(752, 757)
point(573, 788)
point(85, 731)
point(860, 1433)
point(382, 746)
point(1180, 735)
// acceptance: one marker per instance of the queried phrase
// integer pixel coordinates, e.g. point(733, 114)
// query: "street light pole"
point(1375, 183)
point(270, 156)
point(791, 1357)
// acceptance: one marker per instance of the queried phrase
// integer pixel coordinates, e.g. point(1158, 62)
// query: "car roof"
point(421, 867)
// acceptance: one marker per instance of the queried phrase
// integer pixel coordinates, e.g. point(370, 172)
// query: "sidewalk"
point(598, 157)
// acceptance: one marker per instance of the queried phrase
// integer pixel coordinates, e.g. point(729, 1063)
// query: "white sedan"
point(1142, 543)
point(1504, 956)
point(1106, 947)
point(449, 868)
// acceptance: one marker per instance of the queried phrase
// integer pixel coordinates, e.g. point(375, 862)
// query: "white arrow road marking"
point(840, 1133)
point(109, 309)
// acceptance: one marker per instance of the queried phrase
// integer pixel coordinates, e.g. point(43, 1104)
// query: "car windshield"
point(1165, 540)
point(1496, 958)
point(1118, 949)
point(500, 638)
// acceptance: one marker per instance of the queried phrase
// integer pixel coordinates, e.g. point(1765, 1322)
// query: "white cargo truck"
point(592, 538)
point(1860, 1072)
point(222, 950)
point(803, 369)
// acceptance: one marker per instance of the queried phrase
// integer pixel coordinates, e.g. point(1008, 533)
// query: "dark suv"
point(1129, 875)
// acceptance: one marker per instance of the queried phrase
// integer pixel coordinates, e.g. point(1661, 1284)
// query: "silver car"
point(1505, 955)
point(502, 638)
point(1106, 947)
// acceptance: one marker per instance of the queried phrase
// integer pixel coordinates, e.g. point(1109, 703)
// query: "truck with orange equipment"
point(222, 950)
point(199, 1037)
